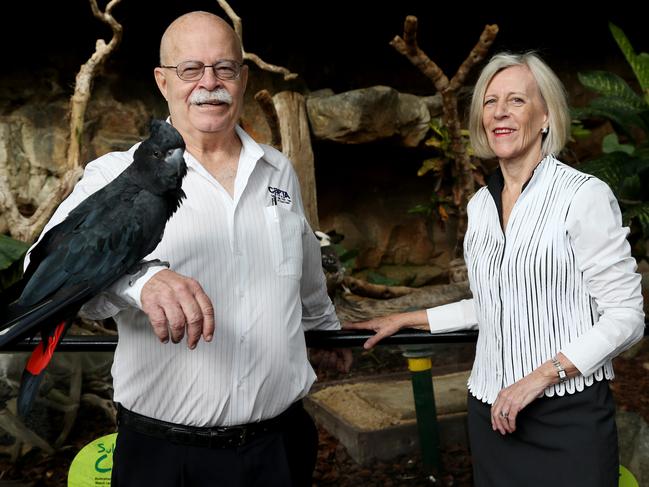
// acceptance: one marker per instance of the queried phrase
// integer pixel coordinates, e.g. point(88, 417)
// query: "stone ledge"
point(375, 418)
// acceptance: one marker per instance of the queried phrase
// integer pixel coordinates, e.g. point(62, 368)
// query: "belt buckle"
point(230, 435)
point(239, 434)
point(243, 435)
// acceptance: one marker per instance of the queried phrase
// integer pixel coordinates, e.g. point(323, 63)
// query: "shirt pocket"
point(285, 240)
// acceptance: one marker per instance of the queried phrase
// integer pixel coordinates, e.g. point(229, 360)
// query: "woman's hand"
point(386, 326)
point(511, 400)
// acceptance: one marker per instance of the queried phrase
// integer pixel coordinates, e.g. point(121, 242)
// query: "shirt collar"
point(496, 183)
point(251, 151)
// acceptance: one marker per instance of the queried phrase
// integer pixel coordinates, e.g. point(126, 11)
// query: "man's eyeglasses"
point(226, 69)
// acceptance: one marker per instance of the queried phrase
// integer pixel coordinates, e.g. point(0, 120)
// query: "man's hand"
point(176, 304)
point(339, 359)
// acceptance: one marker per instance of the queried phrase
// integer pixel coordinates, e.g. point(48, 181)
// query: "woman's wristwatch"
point(561, 372)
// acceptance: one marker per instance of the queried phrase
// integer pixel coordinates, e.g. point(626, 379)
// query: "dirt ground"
point(335, 468)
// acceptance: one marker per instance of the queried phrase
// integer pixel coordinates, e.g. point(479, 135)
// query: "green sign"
point(93, 464)
point(626, 478)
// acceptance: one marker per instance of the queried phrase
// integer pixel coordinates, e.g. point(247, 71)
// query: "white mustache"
point(203, 96)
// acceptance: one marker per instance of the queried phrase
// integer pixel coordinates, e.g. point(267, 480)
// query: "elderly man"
point(245, 276)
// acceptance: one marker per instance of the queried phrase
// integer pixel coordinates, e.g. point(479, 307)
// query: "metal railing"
point(314, 339)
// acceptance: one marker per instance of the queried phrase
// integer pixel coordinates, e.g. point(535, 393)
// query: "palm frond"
point(609, 168)
point(639, 63)
point(611, 85)
point(640, 213)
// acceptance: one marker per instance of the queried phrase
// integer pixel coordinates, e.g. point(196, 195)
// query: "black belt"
point(207, 437)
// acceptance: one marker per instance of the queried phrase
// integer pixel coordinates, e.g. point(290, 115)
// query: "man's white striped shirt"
point(256, 257)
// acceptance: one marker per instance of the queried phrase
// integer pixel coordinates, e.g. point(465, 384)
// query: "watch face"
point(560, 371)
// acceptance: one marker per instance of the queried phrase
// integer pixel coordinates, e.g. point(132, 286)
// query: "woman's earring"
point(544, 130)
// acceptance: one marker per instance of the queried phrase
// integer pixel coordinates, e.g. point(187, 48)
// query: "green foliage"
point(12, 253)
point(378, 278)
point(638, 62)
point(347, 257)
point(436, 208)
point(624, 163)
point(440, 140)
point(439, 204)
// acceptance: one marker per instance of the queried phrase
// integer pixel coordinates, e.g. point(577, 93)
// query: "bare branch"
point(236, 20)
point(27, 229)
point(8, 205)
point(379, 291)
point(106, 405)
point(461, 169)
point(13, 425)
point(410, 33)
point(269, 67)
point(354, 309)
point(270, 112)
point(409, 48)
point(476, 55)
point(238, 28)
point(85, 77)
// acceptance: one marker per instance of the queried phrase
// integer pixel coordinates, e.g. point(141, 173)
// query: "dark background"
point(334, 44)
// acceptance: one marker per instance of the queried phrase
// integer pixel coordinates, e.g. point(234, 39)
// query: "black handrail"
point(314, 338)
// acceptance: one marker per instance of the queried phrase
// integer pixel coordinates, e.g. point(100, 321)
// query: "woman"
point(555, 292)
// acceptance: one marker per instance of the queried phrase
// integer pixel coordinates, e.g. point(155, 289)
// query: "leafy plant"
point(624, 163)
point(347, 257)
point(437, 208)
point(378, 278)
point(440, 140)
point(11, 260)
point(440, 203)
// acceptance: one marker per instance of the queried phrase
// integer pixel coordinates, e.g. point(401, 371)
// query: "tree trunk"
point(296, 145)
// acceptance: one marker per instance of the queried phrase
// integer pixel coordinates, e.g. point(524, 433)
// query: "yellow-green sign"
point(626, 478)
point(93, 464)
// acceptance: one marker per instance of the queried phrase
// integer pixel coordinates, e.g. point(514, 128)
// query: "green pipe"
point(420, 365)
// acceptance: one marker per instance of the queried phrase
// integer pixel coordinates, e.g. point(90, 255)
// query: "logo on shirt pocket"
point(279, 195)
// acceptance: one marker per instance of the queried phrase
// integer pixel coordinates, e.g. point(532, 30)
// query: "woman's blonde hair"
point(553, 95)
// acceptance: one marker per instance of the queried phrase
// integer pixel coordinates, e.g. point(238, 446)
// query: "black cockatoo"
point(102, 239)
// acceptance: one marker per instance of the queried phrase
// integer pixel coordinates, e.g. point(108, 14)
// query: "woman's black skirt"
point(559, 441)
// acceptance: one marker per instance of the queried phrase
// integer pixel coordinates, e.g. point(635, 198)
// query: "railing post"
point(420, 365)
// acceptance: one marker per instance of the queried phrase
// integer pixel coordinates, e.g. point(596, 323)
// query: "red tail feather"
point(42, 354)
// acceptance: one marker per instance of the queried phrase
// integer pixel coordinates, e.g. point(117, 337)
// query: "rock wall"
point(367, 145)
point(374, 221)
